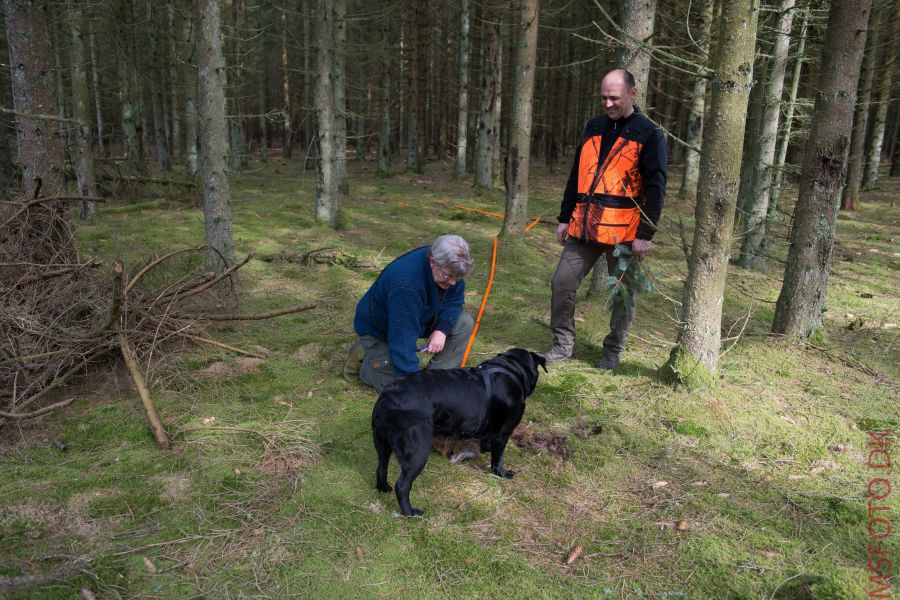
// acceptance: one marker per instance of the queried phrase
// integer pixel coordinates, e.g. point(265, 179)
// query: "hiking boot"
point(557, 354)
point(609, 361)
point(354, 361)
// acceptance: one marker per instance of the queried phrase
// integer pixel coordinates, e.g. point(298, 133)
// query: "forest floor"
point(625, 488)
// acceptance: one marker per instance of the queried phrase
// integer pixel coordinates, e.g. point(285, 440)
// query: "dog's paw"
point(385, 488)
point(414, 512)
point(504, 473)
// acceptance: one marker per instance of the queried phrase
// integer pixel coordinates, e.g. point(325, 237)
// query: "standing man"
point(614, 196)
point(418, 295)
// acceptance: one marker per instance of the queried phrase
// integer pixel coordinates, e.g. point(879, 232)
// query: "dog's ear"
point(539, 360)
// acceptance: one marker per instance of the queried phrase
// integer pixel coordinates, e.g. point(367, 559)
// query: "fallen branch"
point(156, 426)
point(37, 413)
point(23, 206)
point(202, 340)
point(136, 179)
point(213, 281)
point(260, 316)
point(159, 260)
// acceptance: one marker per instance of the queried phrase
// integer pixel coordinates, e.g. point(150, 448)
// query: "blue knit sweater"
point(405, 304)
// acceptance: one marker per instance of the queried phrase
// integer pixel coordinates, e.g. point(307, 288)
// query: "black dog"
point(485, 402)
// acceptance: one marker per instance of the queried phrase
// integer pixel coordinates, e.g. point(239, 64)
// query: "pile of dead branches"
point(61, 314)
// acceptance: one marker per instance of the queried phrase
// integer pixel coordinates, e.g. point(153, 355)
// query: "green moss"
point(683, 369)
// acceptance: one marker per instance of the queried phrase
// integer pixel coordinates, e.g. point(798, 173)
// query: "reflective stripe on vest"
point(606, 211)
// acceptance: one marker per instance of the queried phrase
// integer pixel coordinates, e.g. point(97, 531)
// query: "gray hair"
point(451, 252)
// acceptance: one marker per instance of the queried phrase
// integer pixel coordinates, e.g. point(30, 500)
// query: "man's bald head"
point(618, 92)
point(622, 76)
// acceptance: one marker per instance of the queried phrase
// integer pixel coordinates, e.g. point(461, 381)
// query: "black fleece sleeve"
point(653, 166)
point(570, 195)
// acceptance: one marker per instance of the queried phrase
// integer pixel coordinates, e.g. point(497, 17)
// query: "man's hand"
point(641, 248)
point(561, 230)
point(436, 342)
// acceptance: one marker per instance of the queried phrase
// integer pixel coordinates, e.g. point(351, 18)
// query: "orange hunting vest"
point(609, 194)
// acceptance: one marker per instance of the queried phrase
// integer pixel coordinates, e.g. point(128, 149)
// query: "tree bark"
point(95, 78)
point(174, 82)
point(855, 163)
point(339, 78)
point(287, 145)
point(128, 92)
point(788, 122)
point(81, 105)
point(801, 303)
point(488, 120)
point(191, 125)
point(694, 358)
point(384, 138)
point(758, 195)
point(880, 112)
point(34, 93)
point(156, 98)
point(414, 143)
point(235, 99)
point(519, 155)
point(462, 117)
point(637, 20)
point(211, 84)
point(326, 176)
point(698, 106)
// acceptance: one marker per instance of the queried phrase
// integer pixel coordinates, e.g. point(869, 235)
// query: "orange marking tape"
point(484, 212)
point(533, 223)
point(483, 304)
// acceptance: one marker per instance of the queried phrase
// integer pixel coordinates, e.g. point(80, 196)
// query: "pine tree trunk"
point(365, 103)
point(801, 303)
point(498, 105)
point(698, 106)
point(156, 99)
point(462, 118)
point(752, 132)
point(384, 138)
point(128, 92)
point(339, 77)
point(287, 146)
point(81, 108)
point(262, 67)
point(235, 95)
point(758, 195)
point(33, 90)
point(855, 164)
point(880, 113)
point(488, 90)
point(637, 20)
point(211, 85)
point(191, 125)
point(778, 168)
point(304, 135)
point(326, 176)
point(694, 358)
point(95, 78)
point(174, 81)
point(519, 155)
point(414, 139)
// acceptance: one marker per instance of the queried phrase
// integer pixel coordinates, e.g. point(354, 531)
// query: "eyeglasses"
point(442, 276)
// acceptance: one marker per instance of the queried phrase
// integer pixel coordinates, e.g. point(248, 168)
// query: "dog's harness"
point(486, 373)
